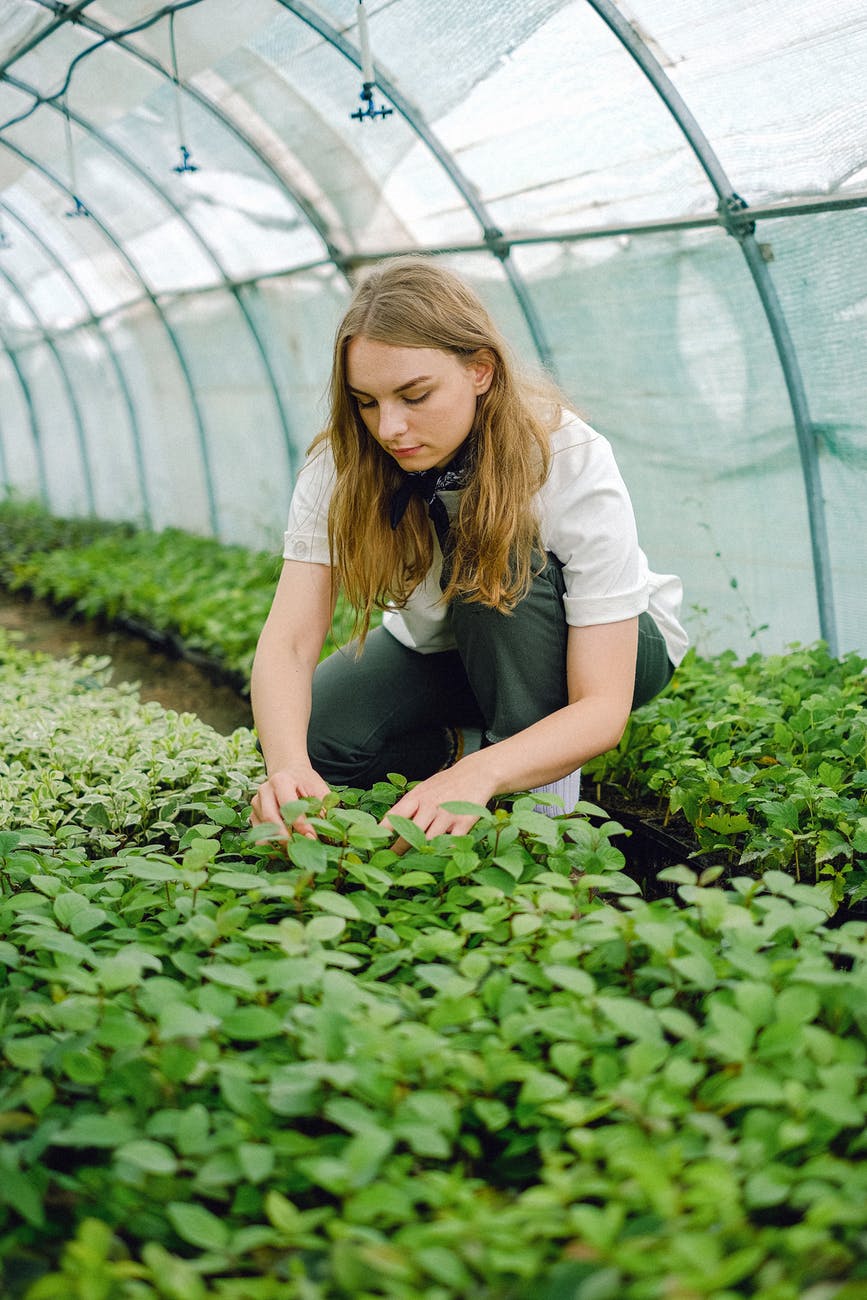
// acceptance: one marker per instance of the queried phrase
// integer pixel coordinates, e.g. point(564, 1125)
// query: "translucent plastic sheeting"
point(18, 453)
point(316, 90)
point(779, 87)
point(820, 267)
point(699, 420)
point(64, 474)
point(568, 133)
point(37, 285)
point(20, 20)
point(100, 269)
point(439, 52)
point(166, 357)
point(231, 206)
point(169, 419)
point(108, 437)
point(214, 434)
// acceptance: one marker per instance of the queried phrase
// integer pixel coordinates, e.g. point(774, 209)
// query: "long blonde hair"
point(413, 302)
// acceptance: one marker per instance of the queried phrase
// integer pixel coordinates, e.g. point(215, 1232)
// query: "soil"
point(171, 681)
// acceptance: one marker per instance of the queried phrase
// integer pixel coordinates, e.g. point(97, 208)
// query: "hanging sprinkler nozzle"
point(78, 210)
point(186, 163)
point(368, 77)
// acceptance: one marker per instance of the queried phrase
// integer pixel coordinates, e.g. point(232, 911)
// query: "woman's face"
point(418, 403)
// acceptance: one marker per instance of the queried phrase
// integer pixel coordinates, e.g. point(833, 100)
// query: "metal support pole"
point(412, 115)
point(731, 209)
point(152, 299)
point(94, 322)
point(35, 430)
point(66, 382)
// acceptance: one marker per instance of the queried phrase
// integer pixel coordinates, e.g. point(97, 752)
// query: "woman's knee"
point(516, 661)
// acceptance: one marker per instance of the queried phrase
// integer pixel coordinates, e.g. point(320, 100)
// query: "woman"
point(492, 526)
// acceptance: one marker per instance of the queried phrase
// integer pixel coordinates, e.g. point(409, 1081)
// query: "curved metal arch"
point(412, 115)
point(306, 209)
point(78, 423)
point(146, 179)
point(154, 301)
point(731, 203)
point(94, 322)
point(68, 13)
point(35, 429)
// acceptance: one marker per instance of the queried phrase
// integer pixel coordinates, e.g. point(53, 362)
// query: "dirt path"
point(172, 682)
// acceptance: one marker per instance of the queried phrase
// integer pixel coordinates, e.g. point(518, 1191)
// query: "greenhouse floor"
point(173, 683)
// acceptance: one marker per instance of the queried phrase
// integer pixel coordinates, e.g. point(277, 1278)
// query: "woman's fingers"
point(420, 806)
point(283, 788)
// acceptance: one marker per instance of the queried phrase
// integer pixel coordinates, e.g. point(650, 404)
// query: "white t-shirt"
point(586, 520)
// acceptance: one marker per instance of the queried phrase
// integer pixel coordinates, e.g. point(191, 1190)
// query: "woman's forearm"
point(550, 748)
point(537, 756)
point(286, 657)
point(280, 696)
point(600, 671)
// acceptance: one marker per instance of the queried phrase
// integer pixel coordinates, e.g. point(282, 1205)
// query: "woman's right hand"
point(283, 787)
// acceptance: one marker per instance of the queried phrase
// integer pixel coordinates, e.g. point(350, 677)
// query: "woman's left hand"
point(464, 782)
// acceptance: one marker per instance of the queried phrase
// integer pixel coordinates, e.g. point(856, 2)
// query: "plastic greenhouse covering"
point(662, 200)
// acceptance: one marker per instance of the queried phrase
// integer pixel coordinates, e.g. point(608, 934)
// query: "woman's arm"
point(286, 656)
point(600, 667)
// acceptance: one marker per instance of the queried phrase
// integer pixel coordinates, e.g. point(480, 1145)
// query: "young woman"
point(491, 525)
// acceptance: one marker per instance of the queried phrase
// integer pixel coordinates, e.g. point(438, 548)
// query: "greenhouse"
point(613, 1047)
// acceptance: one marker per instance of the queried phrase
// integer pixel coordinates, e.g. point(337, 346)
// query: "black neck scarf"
point(427, 483)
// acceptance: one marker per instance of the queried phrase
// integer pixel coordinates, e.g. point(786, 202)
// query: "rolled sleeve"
point(306, 535)
point(587, 521)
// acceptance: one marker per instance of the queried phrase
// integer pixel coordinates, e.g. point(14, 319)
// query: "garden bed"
point(764, 761)
point(245, 1070)
point(176, 683)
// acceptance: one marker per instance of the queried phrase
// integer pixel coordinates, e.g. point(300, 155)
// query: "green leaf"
point(830, 845)
point(21, 1193)
point(629, 1017)
point(242, 880)
point(233, 977)
point(493, 1114)
point(727, 823)
point(252, 1023)
point(197, 1226)
point(9, 955)
point(462, 808)
point(541, 1086)
point(256, 1160)
point(150, 869)
point(178, 1020)
point(200, 854)
point(310, 855)
point(178, 1279)
point(572, 978)
point(336, 904)
point(124, 969)
point(285, 1217)
point(152, 1157)
point(324, 928)
point(408, 830)
point(415, 879)
point(95, 1131)
point(524, 923)
point(734, 1034)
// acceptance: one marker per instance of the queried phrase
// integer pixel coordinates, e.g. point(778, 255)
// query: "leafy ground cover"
point(763, 764)
point(244, 1070)
point(199, 596)
point(766, 760)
